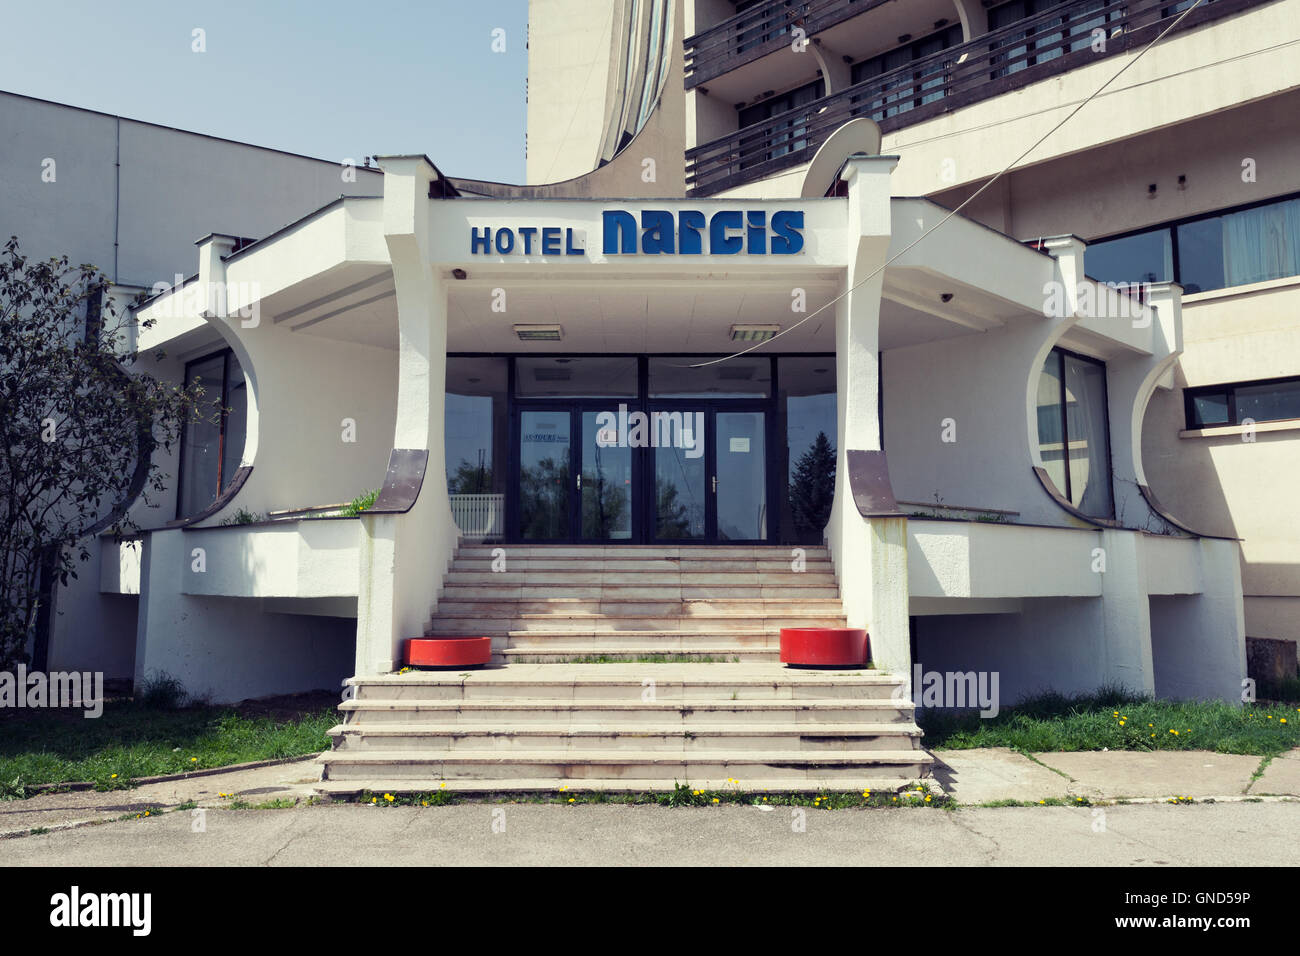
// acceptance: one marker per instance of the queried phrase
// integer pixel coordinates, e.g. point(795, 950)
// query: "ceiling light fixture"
point(753, 333)
point(539, 333)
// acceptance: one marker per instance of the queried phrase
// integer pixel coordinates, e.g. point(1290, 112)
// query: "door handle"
point(715, 484)
point(579, 481)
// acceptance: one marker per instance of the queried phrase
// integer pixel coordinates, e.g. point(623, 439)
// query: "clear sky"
point(323, 78)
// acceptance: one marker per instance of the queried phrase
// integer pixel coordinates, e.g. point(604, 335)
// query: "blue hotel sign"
point(689, 232)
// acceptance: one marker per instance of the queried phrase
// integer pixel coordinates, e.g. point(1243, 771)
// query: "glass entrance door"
point(605, 483)
point(709, 466)
point(740, 475)
point(545, 499)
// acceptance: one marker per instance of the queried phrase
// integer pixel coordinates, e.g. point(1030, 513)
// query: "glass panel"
point(477, 436)
point(671, 377)
point(1268, 403)
point(201, 463)
point(232, 443)
point(742, 476)
point(1210, 409)
point(679, 486)
point(576, 377)
point(1145, 257)
point(606, 483)
point(544, 475)
point(1200, 255)
point(1085, 396)
point(809, 421)
point(1050, 437)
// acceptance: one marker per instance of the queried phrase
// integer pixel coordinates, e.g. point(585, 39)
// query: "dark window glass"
point(1073, 436)
point(808, 416)
point(1209, 409)
point(585, 376)
point(213, 443)
point(1268, 403)
point(476, 441)
point(1200, 255)
point(672, 377)
point(1145, 257)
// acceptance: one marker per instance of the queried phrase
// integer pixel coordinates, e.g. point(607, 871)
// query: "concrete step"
point(632, 552)
point(586, 577)
point(684, 715)
point(598, 624)
point(566, 654)
point(684, 566)
point(881, 782)
point(660, 640)
point(841, 769)
point(630, 682)
point(598, 593)
point(455, 736)
point(631, 605)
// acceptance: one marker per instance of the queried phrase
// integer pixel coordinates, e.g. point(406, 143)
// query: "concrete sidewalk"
point(986, 775)
point(971, 777)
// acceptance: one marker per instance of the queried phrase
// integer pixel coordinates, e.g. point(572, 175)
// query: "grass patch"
point(132, 739)
point(1118, 720)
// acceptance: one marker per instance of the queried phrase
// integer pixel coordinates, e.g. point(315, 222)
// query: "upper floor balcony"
point(1065, 36)
point(760, 30)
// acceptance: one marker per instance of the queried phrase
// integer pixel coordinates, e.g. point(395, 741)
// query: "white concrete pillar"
point(405, 553)
point(869, 551)
point(1126, 612)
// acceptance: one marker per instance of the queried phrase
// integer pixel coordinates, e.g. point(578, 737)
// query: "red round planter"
point(448, 651)
point(824, 646)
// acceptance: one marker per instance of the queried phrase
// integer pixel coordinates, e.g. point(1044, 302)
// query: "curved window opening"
point(213, 441)
point(1074, 431)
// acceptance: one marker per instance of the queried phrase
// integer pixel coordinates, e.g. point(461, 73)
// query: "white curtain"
point(1089, 454)
point(1261, 244)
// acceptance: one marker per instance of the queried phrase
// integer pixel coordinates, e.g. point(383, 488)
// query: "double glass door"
point(682, 472)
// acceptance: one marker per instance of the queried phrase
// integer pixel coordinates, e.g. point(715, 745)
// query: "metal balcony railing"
point(760, 30)
point(1041, 46)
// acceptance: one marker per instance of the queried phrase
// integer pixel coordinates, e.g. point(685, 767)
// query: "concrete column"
point(1130, 384)
point(405, 555)
point(1126, 612)
point(870, 552)
point(974, 18)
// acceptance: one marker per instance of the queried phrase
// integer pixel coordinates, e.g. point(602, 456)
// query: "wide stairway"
point(629, 668)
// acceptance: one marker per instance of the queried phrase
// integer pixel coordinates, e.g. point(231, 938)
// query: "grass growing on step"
point(1118, 720)
point(132, 740)
point(648, 659)
point(682, 795)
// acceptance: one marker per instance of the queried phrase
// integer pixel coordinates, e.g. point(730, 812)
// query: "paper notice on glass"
point(740, 444)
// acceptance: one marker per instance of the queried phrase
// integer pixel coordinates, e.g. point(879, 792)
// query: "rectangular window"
point(1271, 400)
point(576, 377)
point(746, 377)
point(1216, 251)
point(1074, 433)
point(213, 443)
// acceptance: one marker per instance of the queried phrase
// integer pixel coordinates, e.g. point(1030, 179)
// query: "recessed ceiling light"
point(753, 333)
point(539, 333)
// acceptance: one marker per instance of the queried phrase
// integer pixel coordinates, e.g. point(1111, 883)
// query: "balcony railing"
point(760, 30)
point(995, 63)
point(479, 516)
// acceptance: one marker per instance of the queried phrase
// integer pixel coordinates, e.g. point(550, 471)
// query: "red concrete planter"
point(448, 651)
point(824, 646)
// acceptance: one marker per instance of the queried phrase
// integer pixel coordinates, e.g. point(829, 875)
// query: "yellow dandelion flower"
point(194, 760)
point(1283, 720)
point(571, 799)
point(927, 798)
point(389, 797)
point(113, 777)
point(716, 800)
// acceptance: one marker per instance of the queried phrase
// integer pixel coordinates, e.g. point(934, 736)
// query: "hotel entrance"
point(642, 449)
